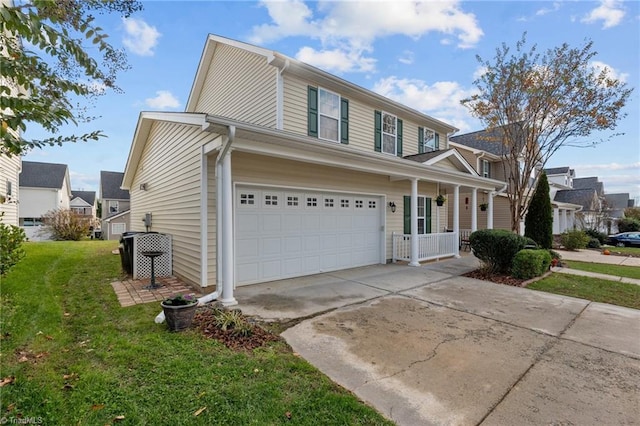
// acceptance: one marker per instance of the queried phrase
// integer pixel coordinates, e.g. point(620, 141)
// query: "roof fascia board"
point(475, 151)
point(145, 120)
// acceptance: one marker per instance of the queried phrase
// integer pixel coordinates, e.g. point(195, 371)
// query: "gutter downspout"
point(224, 211)
point(280, 96)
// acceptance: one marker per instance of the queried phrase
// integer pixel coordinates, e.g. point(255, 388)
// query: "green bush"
point(593, 243)
point(628, 225)
point(594, 233)
point(574, 240)
point(496, 248)
point(11, 251)
point(65, 225)
point(530, 263)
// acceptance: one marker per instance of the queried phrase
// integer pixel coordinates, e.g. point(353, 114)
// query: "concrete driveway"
point(427, 346)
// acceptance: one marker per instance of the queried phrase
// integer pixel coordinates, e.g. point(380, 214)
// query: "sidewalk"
point(597, 257)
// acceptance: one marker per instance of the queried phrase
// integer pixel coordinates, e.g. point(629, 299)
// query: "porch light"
point(392, 205)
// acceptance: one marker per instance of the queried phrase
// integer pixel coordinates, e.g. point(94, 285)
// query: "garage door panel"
point(286, 233)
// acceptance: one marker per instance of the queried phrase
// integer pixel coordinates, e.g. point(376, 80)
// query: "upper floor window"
point(327, 115)
point(428, 140)
point(485, 168)
point(114, 206)
point(388, 133)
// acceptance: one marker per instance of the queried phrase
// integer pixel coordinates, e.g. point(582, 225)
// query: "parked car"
point(626, 239)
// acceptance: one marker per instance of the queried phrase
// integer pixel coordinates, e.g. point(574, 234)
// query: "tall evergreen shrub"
point(538, 224)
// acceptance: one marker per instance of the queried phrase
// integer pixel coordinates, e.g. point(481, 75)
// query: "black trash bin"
point(126, 250)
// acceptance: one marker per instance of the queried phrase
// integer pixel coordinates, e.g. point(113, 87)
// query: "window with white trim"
point(270, 200)
point(485, 168)
point(344, 203)
point(359, 204)
point(328, 115)
point(372, 204)
point(118, 228)
point(389, 133)
point(312, 201)
point(114, 207)
point(247, 199)
point(429, 140)
point(292, 201)
point(328, 202)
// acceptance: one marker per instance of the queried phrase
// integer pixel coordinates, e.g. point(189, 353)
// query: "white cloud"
point(610, 12)
point(140, 38)
point(336, 60)
point(163, 100)
point(594, 168)
point(440, 100)
point(407, 57)
point(611, 73)
point(348, 28)
point(547, 10)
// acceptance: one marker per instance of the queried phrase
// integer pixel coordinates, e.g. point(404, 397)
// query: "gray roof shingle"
point(485, 140)
point(557, 171)
point(584, 197)
point(42, 175)
point(88, 196)
point(110, 186)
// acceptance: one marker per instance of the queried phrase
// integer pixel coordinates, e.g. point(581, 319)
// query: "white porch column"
point(490, 210)
point(414, 223)
point(557, 229)
point(456, 216)
point(573, 219)
point(563, 220)
point(228, 260)
point(474, 209)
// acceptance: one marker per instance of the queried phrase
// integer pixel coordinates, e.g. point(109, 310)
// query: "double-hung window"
point(388, 133)
point(428, 140)
point(113, 207)
point(327, 115)
point(485, 168)
point(424, 215)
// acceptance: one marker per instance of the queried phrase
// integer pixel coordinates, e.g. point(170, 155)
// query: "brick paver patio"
point(131, 292)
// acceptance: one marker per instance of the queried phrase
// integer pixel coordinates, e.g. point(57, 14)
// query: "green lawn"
point(596, 290)
point(74, 356)
point(602, 268)
point(627, 251)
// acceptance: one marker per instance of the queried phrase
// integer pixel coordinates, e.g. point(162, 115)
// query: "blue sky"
point(421, 54)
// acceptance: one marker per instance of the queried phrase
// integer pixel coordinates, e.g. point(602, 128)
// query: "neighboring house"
point(565, 206)
point(615, 206)
point(83, 203)
point(43, 187)
point(589, 216)
point(10, 168)
point(115, 201)
point(277, 169)
point(594, 209)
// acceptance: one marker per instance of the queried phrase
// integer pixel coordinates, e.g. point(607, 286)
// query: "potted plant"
point(440, 199)
point(484, 206)
point(179, 311)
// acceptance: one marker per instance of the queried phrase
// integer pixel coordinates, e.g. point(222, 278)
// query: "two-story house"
point(83, 203)
point(115, 205)
point(43, 187)
point(278, 169)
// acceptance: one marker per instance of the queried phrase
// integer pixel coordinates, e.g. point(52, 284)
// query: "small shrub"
point(65, 225)
point(628, 225)
point(234, 322)
point(11, 251)
point(593, 243)
point(555, 255)
point(574, 240)
point(529, 263)
point(594, 233)
point(496, 248)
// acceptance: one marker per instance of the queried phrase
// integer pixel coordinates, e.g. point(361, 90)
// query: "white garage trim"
point(284, 232)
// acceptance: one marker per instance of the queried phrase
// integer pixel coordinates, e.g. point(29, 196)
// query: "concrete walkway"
point(425, 346)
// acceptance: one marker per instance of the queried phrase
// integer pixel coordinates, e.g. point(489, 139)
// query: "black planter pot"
point(179, 317)
point(439, 203)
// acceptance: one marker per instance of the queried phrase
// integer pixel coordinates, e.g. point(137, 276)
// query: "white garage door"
point(288, 233)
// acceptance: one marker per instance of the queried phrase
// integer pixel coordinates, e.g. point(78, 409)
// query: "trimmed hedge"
point(528, 263)
point(496, 248)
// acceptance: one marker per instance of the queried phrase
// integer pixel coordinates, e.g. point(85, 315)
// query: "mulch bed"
point(495, 278)
point(205, 322)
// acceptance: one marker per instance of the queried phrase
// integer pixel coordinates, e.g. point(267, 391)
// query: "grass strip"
point(603, 268)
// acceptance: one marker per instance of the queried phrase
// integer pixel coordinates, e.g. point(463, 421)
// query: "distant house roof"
point(616, 203)
point(557, 171)
point(584, 197)
point(485, 140)
point(42, 175)
point(110, 186)
point(88, 196)
point(589, 183)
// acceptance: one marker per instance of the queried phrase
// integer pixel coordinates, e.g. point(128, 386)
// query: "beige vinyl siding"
point(170, 166)
point(253, 169)
point(294, 110)
point(9, 172)
point(240, 85)
point(446, 164)
point(501, 215)
point(471, 158)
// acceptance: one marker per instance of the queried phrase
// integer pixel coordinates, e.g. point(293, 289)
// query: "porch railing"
point(430, 246)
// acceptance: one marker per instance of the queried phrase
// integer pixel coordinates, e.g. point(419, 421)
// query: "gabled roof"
point(617, 201)
point(88, 196)
point(286, 64)
point(42, 175)
point(110, 186)
point(583, 197)
point(557, 171)
point(589, 183)
point(434, 157)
